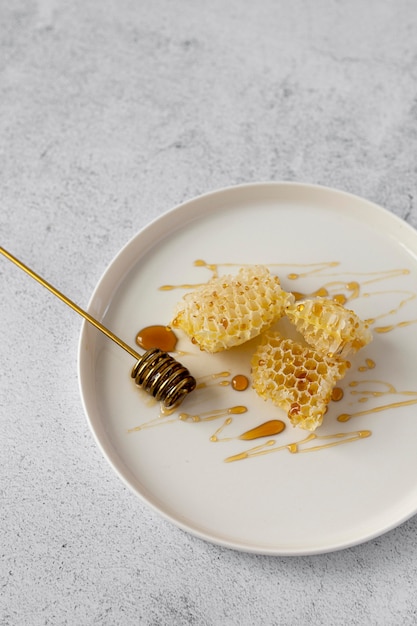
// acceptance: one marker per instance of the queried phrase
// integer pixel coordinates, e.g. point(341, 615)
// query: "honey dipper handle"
point(71, 304)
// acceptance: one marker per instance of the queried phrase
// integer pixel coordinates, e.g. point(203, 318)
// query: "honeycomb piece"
point(329, 327)
point(230, 310)
point(296, 378)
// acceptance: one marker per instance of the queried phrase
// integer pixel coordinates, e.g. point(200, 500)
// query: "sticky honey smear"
point(230, 310)
point(328, 327)
point(296, 378)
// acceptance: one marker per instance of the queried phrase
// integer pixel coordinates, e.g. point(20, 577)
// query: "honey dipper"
point(155, 371)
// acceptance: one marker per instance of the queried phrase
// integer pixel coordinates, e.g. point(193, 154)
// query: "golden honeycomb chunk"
point(296, 378)
point(328, 326)
point(230, 310)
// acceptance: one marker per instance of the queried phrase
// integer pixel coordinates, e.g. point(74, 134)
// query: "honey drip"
point(157, 336)
point(298, 447)
point(267, 429)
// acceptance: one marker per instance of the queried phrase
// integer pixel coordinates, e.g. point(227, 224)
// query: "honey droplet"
point(340, 298)
point(354, 287)
point(162, 337)
point(337, 394)
point(370, 364)
point(236, 410)
point(267, 429)
point(298, 295)
point(294, 410)
point(321, 293)
point(345, 417)
point(240, 382)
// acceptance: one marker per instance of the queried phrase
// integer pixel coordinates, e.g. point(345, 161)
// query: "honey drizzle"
point(206, 381)
point(345, 417)
point(390, 389)
point(365, 393)
point(296, 447)
point(331, 289)
point(379, 275)
point(214, 269)
point(214, 436)
point(208, 416)
point(157, 421)
point(411, 296)
point(388, 329)
point(183, 286)
point(354, 289)
point(326, 291)
point(239, 382)
point(317, 268)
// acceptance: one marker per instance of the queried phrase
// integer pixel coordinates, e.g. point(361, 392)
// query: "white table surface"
point(111, 113)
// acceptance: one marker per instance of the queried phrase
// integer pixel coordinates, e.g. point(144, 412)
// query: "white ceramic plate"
point(278, 503)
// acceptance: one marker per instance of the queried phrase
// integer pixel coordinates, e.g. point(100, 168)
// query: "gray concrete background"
point(112, 112)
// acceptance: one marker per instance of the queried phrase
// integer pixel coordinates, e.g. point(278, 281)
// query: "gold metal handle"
point(70, 303)
point(155, 371)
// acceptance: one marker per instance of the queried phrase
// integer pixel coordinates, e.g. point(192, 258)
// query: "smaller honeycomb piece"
point(230, 310)
point(296, 378)
point(329, 327)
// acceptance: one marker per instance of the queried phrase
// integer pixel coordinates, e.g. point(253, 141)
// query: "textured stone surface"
point(112, 112)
